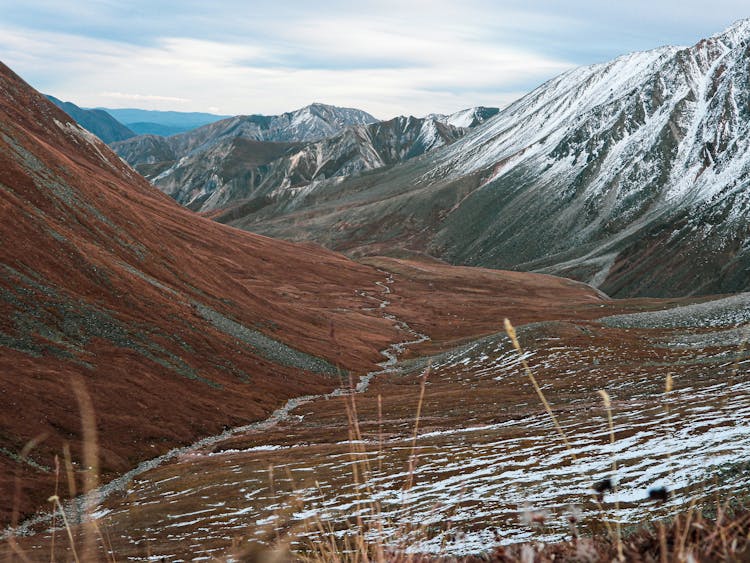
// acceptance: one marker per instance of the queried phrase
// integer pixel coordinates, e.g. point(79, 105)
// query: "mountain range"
point(632, 175)
point(243, 158)
point(163, 123)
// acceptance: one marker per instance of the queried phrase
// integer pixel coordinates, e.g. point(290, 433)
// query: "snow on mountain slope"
point(313, 122)
point(633, 175)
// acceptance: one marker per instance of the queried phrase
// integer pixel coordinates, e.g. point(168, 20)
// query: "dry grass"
point(689, 537)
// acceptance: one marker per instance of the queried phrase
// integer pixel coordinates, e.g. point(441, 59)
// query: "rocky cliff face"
point(633, 175)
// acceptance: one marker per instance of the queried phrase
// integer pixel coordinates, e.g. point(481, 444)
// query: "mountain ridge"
point(162, 123)
point(223, 165)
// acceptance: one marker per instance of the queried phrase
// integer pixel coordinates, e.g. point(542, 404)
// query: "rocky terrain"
point(96, 121)
point(632, 175)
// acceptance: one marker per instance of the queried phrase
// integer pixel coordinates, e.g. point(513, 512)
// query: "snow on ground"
point(472, 479)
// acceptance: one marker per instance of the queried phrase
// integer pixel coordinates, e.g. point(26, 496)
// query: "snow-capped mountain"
point(313, 122)
point(467, 118)
point(633, 175)
point(228, 168)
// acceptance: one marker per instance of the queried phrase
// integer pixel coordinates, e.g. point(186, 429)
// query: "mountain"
point(99, 122)
point(176, 326)
point(228, 169)
point(633, 175)
point(164, 123)
point(150, 128)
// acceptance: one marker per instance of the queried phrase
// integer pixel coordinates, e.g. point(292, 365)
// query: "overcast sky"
point(386, 57)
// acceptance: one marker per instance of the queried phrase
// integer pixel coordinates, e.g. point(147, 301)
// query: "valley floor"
point(485, 467)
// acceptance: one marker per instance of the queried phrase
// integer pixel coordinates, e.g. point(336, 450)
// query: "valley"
point(631, 175)
point(289, 331)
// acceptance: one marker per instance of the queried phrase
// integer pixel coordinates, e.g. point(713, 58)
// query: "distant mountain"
point(147, 128)
point(190, 166)
point(632, 175)
point(154, 122)
point(99, 122)
point(231, 166)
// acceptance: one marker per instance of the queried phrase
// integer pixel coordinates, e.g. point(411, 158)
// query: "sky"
point(408, 57)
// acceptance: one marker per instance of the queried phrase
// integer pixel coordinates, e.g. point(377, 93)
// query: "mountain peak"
point(358, 116)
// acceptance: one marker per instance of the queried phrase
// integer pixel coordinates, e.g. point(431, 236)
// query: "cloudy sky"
point(387, 57)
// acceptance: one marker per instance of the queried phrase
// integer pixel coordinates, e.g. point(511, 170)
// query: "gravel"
point(728, 311)
point(267, 347)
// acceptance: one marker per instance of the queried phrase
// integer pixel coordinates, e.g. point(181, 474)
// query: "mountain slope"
point(235, 170)
point(633, 175)
point(468, 118)
point(178, 326)
point(98, 121)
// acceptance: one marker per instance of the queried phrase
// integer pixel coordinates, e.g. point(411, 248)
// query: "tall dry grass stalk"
point(55, 500)
point(90, 482)
point(54, 512)
point(15, 516)
point(90, 465)
point(368, 543)
point(380, 434)
point(69, 471)
point(668, 428)
point(618, 529)
point(413, 455)
point(511, 332)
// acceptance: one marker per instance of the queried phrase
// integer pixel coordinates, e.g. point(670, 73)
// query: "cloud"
point(384, 56)
point(383, 69)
